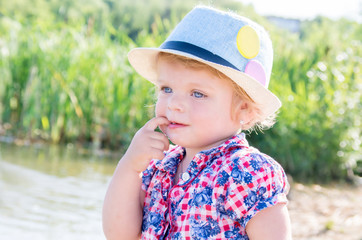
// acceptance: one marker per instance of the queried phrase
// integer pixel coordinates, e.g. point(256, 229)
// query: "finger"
point(163, 129)
point(158, 144)
point(167, 145)
point(155, 122)
point(157, 136)
point(161, 144)
point(157, 154)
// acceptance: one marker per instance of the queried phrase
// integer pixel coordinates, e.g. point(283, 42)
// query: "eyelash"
point(164, 89)
point(201, 95)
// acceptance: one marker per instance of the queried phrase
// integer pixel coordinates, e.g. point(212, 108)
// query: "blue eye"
point(166, 90)
point(198, 95)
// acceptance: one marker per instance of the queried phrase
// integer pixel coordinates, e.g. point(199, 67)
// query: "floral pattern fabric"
point(228, 185)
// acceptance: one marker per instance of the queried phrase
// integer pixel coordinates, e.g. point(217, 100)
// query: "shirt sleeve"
point(256, 182)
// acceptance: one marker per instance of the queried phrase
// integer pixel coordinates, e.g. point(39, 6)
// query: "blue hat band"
point(197, 51)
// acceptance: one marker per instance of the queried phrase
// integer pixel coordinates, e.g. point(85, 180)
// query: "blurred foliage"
point(65, 77)
point(317, 75)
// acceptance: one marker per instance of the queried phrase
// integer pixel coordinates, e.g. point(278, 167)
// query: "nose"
point(176, 103)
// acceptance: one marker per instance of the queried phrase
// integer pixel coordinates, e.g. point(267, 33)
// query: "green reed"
point(65, 85)
point(317, 75)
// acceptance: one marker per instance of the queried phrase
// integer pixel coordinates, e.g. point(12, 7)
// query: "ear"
point(244, 113)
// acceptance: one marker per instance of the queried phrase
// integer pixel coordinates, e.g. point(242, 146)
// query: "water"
point(49, 192)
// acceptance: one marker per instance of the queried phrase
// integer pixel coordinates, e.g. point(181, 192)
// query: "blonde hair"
point(256, 122)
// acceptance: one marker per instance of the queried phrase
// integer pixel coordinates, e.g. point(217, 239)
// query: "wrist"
point(130, 164)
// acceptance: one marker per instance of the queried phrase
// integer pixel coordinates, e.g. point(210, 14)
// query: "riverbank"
point(326, 212)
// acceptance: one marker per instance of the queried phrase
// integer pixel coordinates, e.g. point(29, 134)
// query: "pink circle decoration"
point(256, 70)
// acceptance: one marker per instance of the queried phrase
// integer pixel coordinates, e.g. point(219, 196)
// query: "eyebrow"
point(160, 81)
point(193, 85)
point(201, 86)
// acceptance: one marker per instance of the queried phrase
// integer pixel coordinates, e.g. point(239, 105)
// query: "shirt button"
point(185, 176)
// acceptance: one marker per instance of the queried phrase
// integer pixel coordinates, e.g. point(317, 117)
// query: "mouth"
point(176, 125)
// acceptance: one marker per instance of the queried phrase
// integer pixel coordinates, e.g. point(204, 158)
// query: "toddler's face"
point(198, 105)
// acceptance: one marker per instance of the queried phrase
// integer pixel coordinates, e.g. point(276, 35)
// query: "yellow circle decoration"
point(248, 42)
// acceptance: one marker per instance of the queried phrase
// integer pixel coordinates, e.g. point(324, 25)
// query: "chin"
point(179, 141)
point(176, 141)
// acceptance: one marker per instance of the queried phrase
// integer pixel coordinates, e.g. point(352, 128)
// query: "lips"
point(174, 125)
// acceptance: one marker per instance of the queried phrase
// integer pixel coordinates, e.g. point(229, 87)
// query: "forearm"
point(122, 209)
point(123, 204)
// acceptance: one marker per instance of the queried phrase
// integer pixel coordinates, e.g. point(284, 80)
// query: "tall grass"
point(65, 85)
point(64, 77)
point(317, 75)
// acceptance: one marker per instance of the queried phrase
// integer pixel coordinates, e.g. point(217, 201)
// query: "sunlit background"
point(70, 104)
point(308, 9)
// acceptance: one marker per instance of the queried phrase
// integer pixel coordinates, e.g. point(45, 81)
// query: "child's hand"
point(147, 144)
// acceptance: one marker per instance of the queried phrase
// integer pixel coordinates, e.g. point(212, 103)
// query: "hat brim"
point(144, 61)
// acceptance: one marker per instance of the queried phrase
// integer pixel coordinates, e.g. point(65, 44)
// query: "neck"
point(186, 160)
point(191, 152)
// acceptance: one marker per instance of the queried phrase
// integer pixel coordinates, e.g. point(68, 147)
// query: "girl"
point(212, 75)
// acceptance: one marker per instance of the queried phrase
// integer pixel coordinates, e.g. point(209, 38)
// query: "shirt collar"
point(176, 154)
point(207, 156)
point(236, 141)
point(171, 160)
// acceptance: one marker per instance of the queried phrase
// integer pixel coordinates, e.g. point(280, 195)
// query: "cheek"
point(202, 113)
point(224, 110)
point(160, 108)
point(160, 111)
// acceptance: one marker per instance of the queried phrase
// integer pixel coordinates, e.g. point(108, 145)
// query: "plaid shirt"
point(228, 185)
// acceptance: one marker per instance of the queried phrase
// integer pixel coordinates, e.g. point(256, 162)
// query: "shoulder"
point(249, 169)
point(251, 181)
point(251, 160)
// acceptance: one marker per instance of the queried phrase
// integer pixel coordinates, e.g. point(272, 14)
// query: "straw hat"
point(234, 45)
